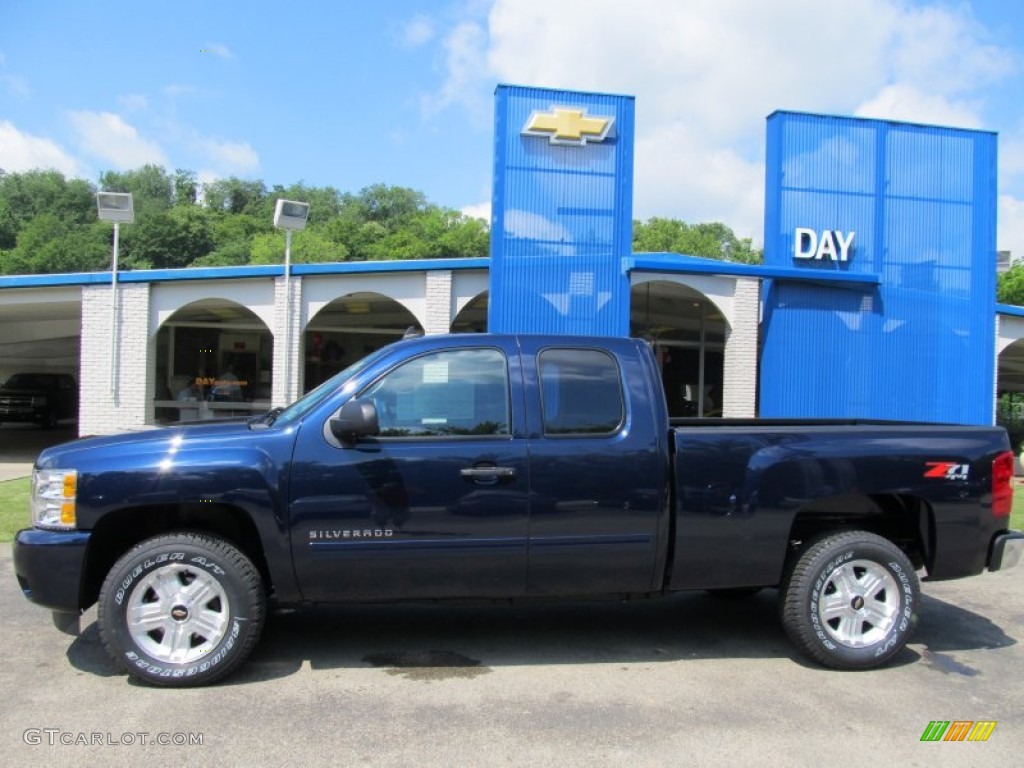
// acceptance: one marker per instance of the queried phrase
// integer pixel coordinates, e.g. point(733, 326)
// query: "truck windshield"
point(26, 381)
point(315, 396)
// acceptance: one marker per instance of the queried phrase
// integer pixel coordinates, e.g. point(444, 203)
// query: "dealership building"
point(876, 298)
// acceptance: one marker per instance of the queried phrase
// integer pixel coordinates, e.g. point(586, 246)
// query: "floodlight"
point(290, 214)
point(116, 206)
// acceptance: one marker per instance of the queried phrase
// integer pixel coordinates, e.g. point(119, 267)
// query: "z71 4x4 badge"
point(947, 470)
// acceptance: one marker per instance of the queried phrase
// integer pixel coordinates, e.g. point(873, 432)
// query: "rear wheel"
point(850, 600)
point(181, 609)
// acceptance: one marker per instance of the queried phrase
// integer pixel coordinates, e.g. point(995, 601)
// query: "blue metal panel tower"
point(562, 212)
point(911, 205)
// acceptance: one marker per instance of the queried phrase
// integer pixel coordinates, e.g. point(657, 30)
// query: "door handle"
point(485, 474)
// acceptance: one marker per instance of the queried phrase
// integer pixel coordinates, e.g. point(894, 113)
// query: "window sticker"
point(435, 372)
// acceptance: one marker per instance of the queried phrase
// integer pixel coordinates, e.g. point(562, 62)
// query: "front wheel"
point(850, 600)
point(181, 609)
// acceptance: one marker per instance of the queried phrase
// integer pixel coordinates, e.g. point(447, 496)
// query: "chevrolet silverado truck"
point(499, 467)
point(43, 398)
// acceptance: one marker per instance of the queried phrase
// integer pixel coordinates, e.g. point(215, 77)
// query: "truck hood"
point(130, 447)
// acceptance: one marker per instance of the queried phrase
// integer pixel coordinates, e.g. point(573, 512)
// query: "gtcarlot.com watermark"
point(58, 737)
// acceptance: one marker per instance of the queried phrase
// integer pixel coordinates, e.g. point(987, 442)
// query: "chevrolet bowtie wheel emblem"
point(566, 125)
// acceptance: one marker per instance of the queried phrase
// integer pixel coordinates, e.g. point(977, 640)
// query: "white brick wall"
point(439, 302)
point(282, 393)
point(740, 374)
point(122, 401)
point(128, 405)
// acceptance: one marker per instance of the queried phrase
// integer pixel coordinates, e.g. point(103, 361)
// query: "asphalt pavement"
point(687, 680)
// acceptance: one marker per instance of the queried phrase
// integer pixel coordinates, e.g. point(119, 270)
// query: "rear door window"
point(581, 393)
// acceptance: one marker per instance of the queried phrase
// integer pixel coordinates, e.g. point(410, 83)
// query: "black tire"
point(182, 609)
point(850, 600)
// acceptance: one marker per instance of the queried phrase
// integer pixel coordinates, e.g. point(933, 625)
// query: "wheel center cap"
point(179, 613)
point(858, 603)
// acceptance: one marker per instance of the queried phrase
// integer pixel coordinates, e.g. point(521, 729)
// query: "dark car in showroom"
point(43, 398)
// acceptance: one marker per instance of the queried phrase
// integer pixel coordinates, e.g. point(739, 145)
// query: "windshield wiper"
point(264, 420)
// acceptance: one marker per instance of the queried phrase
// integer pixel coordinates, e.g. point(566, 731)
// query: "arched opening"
point(214, 359)
point(688, 331)
point(1010, 393)
point(472, 318)
point(348, 329)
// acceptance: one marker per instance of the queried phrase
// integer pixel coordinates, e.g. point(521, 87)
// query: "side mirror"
point(357, 418)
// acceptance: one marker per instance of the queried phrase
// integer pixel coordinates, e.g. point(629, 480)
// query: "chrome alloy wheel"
point(178, 613)
point(859, 603)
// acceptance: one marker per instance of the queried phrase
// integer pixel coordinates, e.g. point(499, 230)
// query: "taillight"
point(1002, 484)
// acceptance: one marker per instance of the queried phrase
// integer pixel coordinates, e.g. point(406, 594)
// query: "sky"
point(347, 94)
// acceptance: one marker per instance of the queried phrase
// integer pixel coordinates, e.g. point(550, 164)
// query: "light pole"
point(289, 215)
point(118, 208)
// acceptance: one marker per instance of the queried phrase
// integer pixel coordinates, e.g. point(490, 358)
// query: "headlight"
point(53, 498)
point(39, 400)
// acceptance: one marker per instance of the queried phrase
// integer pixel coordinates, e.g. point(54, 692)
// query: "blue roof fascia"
point(197, 273)
point(237, 273)
point(675, 262)
point(410, 265)
point(1009, 309)
point(46, 281)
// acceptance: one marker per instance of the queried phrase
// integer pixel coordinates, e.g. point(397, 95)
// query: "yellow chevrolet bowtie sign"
point(565, 125)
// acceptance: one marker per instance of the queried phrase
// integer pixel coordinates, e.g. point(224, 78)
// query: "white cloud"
point(107, 136)
point(230, 157)
point(707, 74)
point(177, 89)
point(134, 102)
point(418, 31)
point(1011, 157)
point(1011, 225)
point(15, 84)
point(464, 50)
point(478, 211)
point(21, 151)
point(203, 177)
point(940, 49)
point(678, 175)
point(907, 103)
point(11, 82)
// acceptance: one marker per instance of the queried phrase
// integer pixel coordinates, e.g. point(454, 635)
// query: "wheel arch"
point(905, 520)
point(120, 530)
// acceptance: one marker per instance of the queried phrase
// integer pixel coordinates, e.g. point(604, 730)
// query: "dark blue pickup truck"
point(498, 467)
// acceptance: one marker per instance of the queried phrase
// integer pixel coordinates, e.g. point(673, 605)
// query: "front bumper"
point(20, 413)
point(1007, 551)
point(49, 566)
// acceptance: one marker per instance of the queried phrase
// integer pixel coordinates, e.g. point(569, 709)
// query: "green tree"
point(186, 188)
point(235, 195)
point(390, 206)
point(23, 196)
point(151, 187)
point(49, 244)
point(711, 241)
point(173, 238)
point(232, 238)
point(9, 226)
point(324, 202)
point(308, 247)
point(1010, 286)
